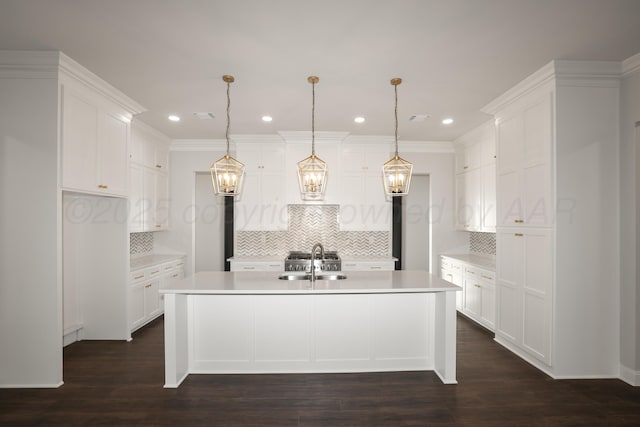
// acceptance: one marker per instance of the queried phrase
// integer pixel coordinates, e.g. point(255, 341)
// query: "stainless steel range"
point(301, 261)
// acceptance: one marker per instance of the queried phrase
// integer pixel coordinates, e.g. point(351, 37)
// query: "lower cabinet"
point(368, 265)
point(478, 297)
point(253, 265)
point(145, 302)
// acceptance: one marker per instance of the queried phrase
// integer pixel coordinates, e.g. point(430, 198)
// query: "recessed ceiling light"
point(359, 119)
point(174, 118)
point(447, 121)
point(267, 118)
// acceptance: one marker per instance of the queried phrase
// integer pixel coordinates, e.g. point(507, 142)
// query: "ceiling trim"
point(78, 72)
point(425, 147)
point(631, 65)
point(305, 136)
point(29, 64)
point(205, 145)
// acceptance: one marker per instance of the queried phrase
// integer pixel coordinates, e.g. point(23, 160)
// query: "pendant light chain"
point(228, 116)
point(395, 86)
point(313, 118)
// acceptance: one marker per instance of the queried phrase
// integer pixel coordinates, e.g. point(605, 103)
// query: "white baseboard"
point(32, 385)
point(630, 376)
point(71, 335)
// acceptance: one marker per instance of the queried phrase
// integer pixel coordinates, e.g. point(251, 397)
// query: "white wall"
point(416, 225)
point(209, 226)
point(30, 246)
point(181, 236)
point(630, 223)
point(440, 168)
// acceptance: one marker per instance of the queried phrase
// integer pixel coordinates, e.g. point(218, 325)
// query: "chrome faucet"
point(313, 259)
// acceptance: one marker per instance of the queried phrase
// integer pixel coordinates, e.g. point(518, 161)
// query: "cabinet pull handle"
point(148, 286)
point(158, 225)
point(476, 285)
point(159, 166)
point(103, 186)
point(248, 268)
point(155, 272)
point(519, 221)
point(466, 167)
point(138, 277)
point(169, 267)
point(178, 265)
point(487, 277)
point(376, 267)
point(518, 234)
point(175, 275)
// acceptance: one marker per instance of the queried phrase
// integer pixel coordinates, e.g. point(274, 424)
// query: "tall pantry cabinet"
point(556, 218)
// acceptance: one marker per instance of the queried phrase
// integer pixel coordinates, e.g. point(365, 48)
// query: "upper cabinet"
point(94, 132)
point(262, 202)
point(363, 205)
point(149, 179)
point(476, 179)
point(94, 144)
point(523, 175)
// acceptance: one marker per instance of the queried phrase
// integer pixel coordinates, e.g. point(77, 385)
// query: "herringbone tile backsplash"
point(140, 243)
point(310, 224)
point(484, 243)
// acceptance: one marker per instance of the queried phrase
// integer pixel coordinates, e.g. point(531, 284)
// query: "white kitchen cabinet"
point(262, 204)
point(524, 280)
point(475, 180)
point(256, 265)
point(149, 180)
point(144, 300)
point(95, 137)
point(479, 295)
point(523, 172)
point(368, 265)
point(363, 205)
point(452, 271)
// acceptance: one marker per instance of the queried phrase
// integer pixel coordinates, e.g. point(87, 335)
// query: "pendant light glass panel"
point(312, 171)
point(312, 178)
point(396, 174)
point(227, 174)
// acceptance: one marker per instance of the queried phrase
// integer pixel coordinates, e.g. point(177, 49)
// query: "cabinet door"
point(135, 303)
point(472, 293)
point(272, 205)
point(149, 210)
point(152, 306)
point(136, 198)
point(247, 211)
point(161, 203)
point(488, 219)
point(509, 276)
point(488, 304)
point(113, 155)
point(377, 213)
point(354, 201)
point(79, 143)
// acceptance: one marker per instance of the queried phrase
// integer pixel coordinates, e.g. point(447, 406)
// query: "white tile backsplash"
point(483, 243)
point(310, 224)
point(140, 243)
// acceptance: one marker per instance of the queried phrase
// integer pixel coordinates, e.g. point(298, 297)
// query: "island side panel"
point(445, 337)
point(176, 338)
point(311, 333)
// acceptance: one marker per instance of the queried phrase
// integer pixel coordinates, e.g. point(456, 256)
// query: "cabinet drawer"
point(257, 266)
point(138, 275)
point(368, 266)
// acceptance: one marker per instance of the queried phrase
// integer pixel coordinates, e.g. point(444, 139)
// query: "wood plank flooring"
point(120, 384)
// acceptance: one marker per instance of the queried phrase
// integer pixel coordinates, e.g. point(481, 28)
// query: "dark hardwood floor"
point(120, 384)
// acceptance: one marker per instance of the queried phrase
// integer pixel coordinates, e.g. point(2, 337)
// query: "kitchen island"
point(253, 322)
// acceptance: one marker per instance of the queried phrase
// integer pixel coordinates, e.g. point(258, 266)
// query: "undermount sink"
point(308, 277)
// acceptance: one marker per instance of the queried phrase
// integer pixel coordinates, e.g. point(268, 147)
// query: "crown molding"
point(203, 145)
point(82, 74)
point(369, 139)
point(51, 64)
point(293, 137)
point(631, 65)
point(565, 73)
point(33, 64)
point(256, 139)
point(434, 147)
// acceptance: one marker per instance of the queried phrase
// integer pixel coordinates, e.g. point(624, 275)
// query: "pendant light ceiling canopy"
point(227, 173)
point(396, 173)
point(312, 171)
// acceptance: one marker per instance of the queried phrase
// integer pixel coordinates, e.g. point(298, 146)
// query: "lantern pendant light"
point(227, 173)
point(396, 173)
point(312, 171)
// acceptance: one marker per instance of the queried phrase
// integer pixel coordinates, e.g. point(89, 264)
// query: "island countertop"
point(264, 283)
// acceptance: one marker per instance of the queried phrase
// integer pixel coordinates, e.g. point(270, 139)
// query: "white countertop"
point(357, 282)
point(149, 260)
point(269, 258)
point(482, 261)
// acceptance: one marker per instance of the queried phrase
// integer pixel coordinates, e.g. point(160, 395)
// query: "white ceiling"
point(454, 56)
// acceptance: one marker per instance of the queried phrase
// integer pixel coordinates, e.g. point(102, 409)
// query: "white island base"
point(243, 322)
